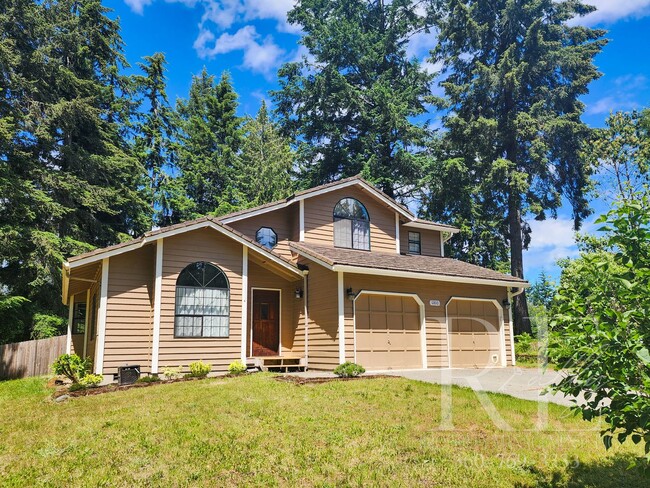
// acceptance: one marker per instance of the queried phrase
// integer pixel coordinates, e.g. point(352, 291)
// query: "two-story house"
point(340, 272)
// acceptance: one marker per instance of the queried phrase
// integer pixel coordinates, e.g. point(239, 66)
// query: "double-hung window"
point(351, 225)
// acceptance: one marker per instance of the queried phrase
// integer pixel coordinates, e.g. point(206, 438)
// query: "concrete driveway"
point(526, 383)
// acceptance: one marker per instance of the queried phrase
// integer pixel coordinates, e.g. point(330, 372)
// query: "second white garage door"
point(388, 332)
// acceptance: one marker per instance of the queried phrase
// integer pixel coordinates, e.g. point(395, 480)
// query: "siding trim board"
point(155, 347)
point(341, 298)
point(68, 339)
point(244, 304)
point(101, 320)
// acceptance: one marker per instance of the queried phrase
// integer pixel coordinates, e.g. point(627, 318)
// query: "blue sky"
point(251, 39)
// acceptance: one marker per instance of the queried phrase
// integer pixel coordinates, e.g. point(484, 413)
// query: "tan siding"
point(179, 251)
point(259, 277)
point(435, 317)
point(91, 340)
point(323, 318)
point(283, 221)
point(319, 219)
point(429, 239)
point(129, 310)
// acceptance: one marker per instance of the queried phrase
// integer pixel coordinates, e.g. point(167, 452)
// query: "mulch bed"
point(298, 380)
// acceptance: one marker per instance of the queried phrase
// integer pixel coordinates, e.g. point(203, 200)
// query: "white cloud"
point(260, 55)
point(621, 95)
point(138, 6)
point(609, 11)
point(552, 239)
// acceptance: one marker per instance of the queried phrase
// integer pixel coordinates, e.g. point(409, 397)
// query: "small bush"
point(47, 326)
point(236, 368)
point(72, 367)
point(149, 379)
point(76, 387)
point(349, 370)
point(91, 380)
point(171, 373)
point(199, 369)
point(523, 343)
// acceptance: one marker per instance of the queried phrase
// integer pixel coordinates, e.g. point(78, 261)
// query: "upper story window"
point(351, 225)
point(266, 237)
point(415, 244)
point(202, 302)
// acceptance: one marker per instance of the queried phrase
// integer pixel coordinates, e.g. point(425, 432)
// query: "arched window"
point(202, 302)
point(267, 237)
point(351, 225)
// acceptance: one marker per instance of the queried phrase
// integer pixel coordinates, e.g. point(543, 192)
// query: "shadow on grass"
point(617, 471)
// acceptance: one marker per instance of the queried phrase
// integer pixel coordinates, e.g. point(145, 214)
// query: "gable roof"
point(327, 187)
point(200, 223)
point(407, 266)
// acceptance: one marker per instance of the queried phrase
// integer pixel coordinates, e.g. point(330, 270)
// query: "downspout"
point(511, 295)
point(305, 280)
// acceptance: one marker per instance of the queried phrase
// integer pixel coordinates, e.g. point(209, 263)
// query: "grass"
point(256, 431)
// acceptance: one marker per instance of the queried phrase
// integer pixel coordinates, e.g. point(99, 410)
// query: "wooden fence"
point(30, 358)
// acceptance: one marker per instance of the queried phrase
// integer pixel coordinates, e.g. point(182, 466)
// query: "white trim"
point(87, 322)
point(420, 276)
point(244, 303)
point(68, 339)
point(511, 327)
point(101, 320)
point(442, 246)
point(302, 221)
point(341, 302)
point(423, 322)
point(279, 290)
point(397, 242)
point(157, 299)
point(431, 226)
point(305, 297)
point(182, 230)
point(376, 193)
point(502, 336)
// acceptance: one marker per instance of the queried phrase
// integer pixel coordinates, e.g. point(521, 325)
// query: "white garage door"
point(474, 333)
point(387, 332)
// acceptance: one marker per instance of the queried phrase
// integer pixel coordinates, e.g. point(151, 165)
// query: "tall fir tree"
point(155, 138)
point(514, 75)
point(266, 161)
point(67, 179)
point(209, 141)
point(350, 104)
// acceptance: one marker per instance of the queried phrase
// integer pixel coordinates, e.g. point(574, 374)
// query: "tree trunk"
point(520, 305)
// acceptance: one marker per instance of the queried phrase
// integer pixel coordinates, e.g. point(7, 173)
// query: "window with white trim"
point(351, 225)
point(415, 244)
point(202, 302)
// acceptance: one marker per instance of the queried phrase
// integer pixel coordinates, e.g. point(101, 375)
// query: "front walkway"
point(525, 383)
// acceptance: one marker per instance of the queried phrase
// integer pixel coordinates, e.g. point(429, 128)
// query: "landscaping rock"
point(61, 398)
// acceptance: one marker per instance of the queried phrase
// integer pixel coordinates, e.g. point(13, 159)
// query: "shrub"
point(349, 370)
point(199, 369)
point(523, 343)
point(149, 379)
point(47, 326)
point(237, 368)
point(171, 373)
point(72, 367)
point(91, 380)
point(76, 387)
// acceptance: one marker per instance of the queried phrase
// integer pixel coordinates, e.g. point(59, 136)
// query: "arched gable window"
point(351, 225)
point(202, 302)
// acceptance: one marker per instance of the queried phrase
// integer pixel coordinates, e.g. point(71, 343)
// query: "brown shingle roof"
point(182, 225)
point(397, 262)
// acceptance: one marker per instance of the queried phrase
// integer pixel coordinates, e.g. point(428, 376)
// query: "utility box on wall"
point(127, 375)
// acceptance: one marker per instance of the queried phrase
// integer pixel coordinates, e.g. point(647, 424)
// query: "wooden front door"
point(266, 323)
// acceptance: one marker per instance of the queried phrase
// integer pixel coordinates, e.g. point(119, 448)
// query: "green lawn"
point(255, 430)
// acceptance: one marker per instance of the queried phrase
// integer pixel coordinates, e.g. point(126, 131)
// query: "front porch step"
point(281, 363)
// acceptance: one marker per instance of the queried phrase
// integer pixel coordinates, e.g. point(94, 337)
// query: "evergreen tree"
point(515, 72)
point(350, 105)
point(209, 141)
point(542, 291)
point(266, 161)
point(67, 179)
point(154, 142)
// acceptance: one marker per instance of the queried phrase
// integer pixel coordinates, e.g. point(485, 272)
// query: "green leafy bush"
point(349, 370)
point(199, 369)
point(149, 379)
point(76, 387)
point(523, 343)
point(237, 368)
point(91, 380)
point(46, 325)
point(171, 373)
point(72, 367)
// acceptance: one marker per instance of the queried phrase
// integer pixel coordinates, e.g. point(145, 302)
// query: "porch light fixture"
point(350, 293)
point(505, 303)
point(298, 293)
